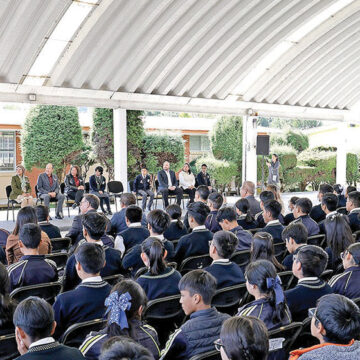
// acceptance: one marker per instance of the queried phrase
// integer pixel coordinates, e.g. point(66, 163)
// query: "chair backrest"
point(62, 187)
point(318, 240)
point(194, 262)
point(131, 185)
point(173, 264)
point(210, 355)
point(326, 275)
point(164, 308)
point(342, 210)
point(115, 187)
point(8, 347)
point(76, 334)
point(140, 272)
point(87, 187)
point(287, 334)
point(228, 299)
point(288, 279)
point(280, 251)
point(60, 244)
point(8, 191)
point(59, 258)
point(357, 301)
point(175, 242)
point(113, 279)
point(241, 258)
point(47, 291)
point(36, 191)
point(253, 231)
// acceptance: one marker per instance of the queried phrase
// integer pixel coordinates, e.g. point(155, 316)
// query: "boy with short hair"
point(329, 204)
point(353, 207)
point(215, 201)
point(42, 213)
point(264, 197)
point(290, 216)
point(301, 213)
point(198, 334)
point(272, 211)
point(316, 213)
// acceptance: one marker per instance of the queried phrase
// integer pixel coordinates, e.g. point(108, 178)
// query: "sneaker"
point(74, 206)
point(109, 212)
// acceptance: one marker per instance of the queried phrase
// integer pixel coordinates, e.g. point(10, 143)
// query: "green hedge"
point(352, 169)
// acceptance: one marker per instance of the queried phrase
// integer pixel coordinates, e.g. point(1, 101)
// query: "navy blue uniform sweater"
point(226, 273)
point(347, 283)
point(317, 213)
point(311, 226)
point(133, 236)
point(118, 222)
point(275, 229)
point(244, 238)
point(246, 225)
point(211, 223)
point(354, 220)
point(173, 232)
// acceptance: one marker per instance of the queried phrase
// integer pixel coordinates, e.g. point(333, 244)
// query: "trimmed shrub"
point(352, 169)
point(298, 141)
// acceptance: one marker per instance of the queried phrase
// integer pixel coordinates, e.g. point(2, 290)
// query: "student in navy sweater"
point(338, 191)
point(316, 213)
point(224, 271)
point(215, 201)
point(290, 217)
point(34, 321)
point(245, 219)
point(160, 280)
point(42, 213)
point(32, 268)
point(309, 263)
point(272, 210)
point(264, 197)
point(142, 185)
point(135, 233)
point(329, 204)
point(86, 302)
point(94, 225)
point(176, 229)
point(226, 217)
point(158, 221)
point(197, 242)
point(353, 207)
point(301, 213)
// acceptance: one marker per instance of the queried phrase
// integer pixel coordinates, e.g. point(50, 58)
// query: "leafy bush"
point(352, 168)
point(298, 141)
point(277, 139)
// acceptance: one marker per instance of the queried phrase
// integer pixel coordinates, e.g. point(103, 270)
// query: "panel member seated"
point(32, 268)
point(176, 228)
point(20, 188)
point(187, 182)
point(97, 183)
point(74, 185)
point(353, 207)
point(42, 213)
point(301, 213)
point(245, 219)
point(329, 204)
point(203, 178)
point(316, 213)
point(225, 272)
point(272, 210)
point(215, 202)
point(142, 185)
point(290, 217)
point(247, 191)
point(168, 185)
point(264, 197)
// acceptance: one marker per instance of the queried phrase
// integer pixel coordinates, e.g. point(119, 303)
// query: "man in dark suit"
point(353, 207)
point(142, 184)
point(168, 184)
point(316, 213)
point(203, 178)
point(247, 191)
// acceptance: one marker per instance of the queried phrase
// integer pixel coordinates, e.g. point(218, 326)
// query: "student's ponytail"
point(174, 212)
point(243, 206)
point(249, 219)
point(154, 250)
point(276, 299)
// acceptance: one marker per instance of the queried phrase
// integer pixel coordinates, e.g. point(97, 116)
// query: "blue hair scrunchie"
point(275, 284)
point(117, 305)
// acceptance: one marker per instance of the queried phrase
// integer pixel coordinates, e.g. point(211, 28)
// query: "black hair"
point(304, 204)
point(297, 231)
point(266, 196)
point(203, 165)
point(203, 192)
point(245, 337)
point(159, 221)
point(25, 215)
point(262, 247)
point(226, 213)
point(244, 206)
point(340, 317)
point(143, 166)
point(354, 250)
point(257, 273)
point(354, 197)
point(277, 156)
point(294, 199)
point(133, 213)
point(199, 282)
point(30, 235)
point(216, 200)
point(313, 260)
point(154, 250)
point(35, 317)
point(93, 200)
point(199, 211)
point(123, 347)
point(330, 200)
point(174, 212)
point(91, 257)
point(138, 299)
point(100, 169)
point(325, 188)
point(42, 212)
point(274, 208)
point(95, 224)
point(350, 189)
point(189, 171)
point(127, 199)
point(7, 306)
point(338, 189)
point(225, 243)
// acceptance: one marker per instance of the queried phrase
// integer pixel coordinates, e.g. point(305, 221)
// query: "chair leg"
point(7, 213)
point(68, 207)
point(115, 204)
point(12, 206)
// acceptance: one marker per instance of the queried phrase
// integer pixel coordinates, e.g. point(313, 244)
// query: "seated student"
point(243, 338)
point(158, 221)
point(42, 213)
point(262, 247)
point(226, 217)
point(301, 213)
point(134, 234)
point(94, 225)
point(316, 213)
point(348, 283)
point(176, 229)
point(348, 190)
point(245, 219)
point(224, 271)
point(338, 191)
point(215, 202)
point(32, 268)
point(290, 216)
point(336, 324)
point(86, 302)
point(272, 209)
point(160, 280)
point(338, 237)
point(264, 197)
point(353, 208)
point(295, 236)
point(125, 305)
point(309, 263)
point(142, 186)
point(197, 242)
point(198, 334)
point(35, 324)
point(269, 304)
point(329, 204)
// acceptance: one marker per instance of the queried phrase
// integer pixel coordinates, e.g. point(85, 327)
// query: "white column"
point(249, 172)
point(120, 146)
point(341, 153)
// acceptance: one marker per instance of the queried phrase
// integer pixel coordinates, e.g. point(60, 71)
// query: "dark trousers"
point(145, 194)
point(191, 193)
point(166, 192)
point(76, 195)
point(104, 198)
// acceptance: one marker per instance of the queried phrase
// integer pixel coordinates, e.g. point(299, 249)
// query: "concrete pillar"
point(249, 169)
point(341, 153)
point(120, 147)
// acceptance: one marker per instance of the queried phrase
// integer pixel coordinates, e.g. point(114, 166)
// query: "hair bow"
point(117, 305)
point(275, 284)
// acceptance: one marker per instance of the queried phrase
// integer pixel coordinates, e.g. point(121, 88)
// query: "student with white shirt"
point(142, 185)
point(187, 181)
point(329, 204)
point(353, 207)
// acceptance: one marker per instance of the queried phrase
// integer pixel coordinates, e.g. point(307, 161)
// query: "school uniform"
point(173, 232)
point(263, 310)
point(118, 222)
point(259, 218)
point(246, 225)
point(289, 259)
point(317, 214)
point(203, 179)
point(211, 223)
point(135, 234)
point(289, 218)
point(161, 285)
point(85, 302)
point(32, 270)
point(354, 220)
point(341, 201)
point(275, 229)
point(226, 273)
point(305, 295)
point(51, 230)
point(254, 205)
point(311, 226)
point(347, 283)
point(333, 263)
point(76, 231)
point(142, 186)
point(244, 238)
point(195, 243)
point(322, 223)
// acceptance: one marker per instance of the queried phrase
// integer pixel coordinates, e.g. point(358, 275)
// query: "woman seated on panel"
point(97, 183)
point(20, 188)
point(187, 181)
point(74, 185)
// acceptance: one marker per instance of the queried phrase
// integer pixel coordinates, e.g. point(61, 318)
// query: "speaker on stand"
point(262, 148)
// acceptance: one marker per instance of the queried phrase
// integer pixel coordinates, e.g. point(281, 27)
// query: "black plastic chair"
point(8, 347)
point(69, 202)
point(115, 189)
point(318, 240)
point(326, 275)
point(357, 301)
point(253, 231)
point(47, 291)
point(342, 210)
point(175, 242)
point(60, 245)
point(59, 258)
point(87, 187)
point(280, 251)
point(227, 300)
point(241, 258)
point(210, 355)
point(159, 195)
point(173, 264)
point(76, 334)
point(194, 262)
point(113, 279)
point(38, 198)
point(140, 272)
point(14, 204)
point(288, 279)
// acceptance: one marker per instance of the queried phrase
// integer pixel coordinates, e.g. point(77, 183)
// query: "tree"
point(52, 134)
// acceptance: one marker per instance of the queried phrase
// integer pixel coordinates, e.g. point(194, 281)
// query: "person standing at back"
point(273, 166)
point(142, 185)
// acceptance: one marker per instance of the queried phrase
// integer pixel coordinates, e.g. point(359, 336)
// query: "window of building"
point(7, 150)
point(199, 143)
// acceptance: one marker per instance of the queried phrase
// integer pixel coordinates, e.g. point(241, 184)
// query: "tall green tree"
point(52, 134)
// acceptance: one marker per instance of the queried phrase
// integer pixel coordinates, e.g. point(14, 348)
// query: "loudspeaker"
point(262, 145)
